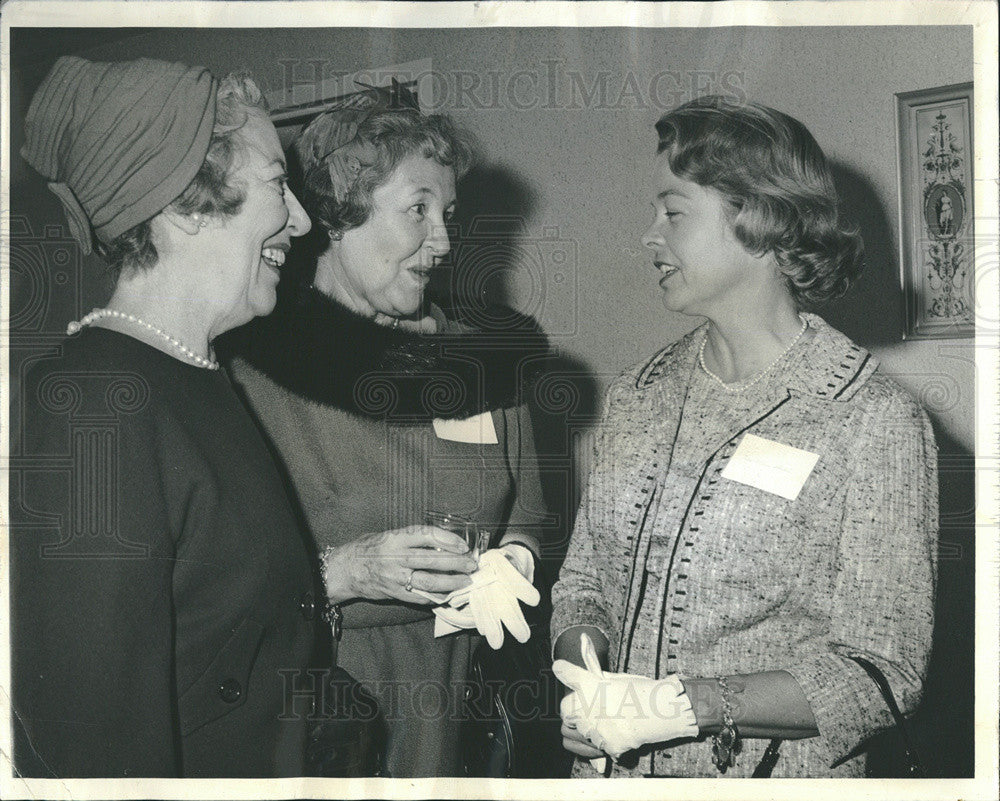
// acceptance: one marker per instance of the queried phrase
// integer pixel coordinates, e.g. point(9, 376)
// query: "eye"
point(419, 210)
point(282, 182)
point(449, 215)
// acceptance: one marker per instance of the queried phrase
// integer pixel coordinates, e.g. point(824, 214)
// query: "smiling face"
point(252, 244)
point(384, 264)
point(705, 269)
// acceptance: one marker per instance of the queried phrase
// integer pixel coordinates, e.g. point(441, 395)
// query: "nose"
point(652, 239)
point(298, 220)
point(437, 241)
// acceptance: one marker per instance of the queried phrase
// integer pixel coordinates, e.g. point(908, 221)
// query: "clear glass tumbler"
point(477, 539)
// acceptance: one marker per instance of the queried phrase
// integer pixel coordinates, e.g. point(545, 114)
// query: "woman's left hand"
point(618, 712)
point(521, 557)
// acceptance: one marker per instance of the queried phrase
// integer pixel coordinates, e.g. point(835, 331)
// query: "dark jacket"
point(162, 595)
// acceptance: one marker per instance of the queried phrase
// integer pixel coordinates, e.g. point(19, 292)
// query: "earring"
point(197, 218)
point(335, 236)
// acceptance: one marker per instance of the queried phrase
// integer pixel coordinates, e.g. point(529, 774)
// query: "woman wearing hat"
point(383, 409)
point(162, 617)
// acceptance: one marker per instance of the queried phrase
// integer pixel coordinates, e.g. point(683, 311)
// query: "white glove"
point(618, 712)
point(490, 602)
point(521, 557)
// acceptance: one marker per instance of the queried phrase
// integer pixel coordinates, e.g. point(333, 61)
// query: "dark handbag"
point(511, 723)
point(914, 767)
point(347, 733)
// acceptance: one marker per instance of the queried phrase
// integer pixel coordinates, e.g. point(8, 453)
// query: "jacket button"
point(307, 606)
point(230, 691)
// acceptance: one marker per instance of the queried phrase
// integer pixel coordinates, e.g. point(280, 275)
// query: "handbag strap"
point(914, 768)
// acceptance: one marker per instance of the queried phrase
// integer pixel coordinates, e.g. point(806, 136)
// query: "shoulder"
point(659, 367)
point(95, 373)
point(883, 407)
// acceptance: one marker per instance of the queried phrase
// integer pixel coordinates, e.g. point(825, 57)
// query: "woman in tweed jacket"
point(763, 503)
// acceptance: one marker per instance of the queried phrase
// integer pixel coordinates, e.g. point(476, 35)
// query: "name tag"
point(770, 466)
point(476, 430)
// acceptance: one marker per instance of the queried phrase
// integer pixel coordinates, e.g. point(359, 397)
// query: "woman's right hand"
point(380, 566)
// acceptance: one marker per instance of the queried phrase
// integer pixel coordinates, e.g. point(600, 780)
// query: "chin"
point(263, 304)
point(404, 307)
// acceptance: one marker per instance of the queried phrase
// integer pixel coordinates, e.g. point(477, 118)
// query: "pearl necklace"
point(743, 385)
point(180, 347)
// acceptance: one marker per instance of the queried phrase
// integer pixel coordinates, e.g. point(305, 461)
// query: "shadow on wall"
point(943, 725)
point(491, 243)
point(871, 313)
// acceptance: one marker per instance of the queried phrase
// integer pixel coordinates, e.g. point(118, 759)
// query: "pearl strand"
point(744, 385)
point(180, 347)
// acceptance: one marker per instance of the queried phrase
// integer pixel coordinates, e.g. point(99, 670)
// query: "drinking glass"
point(477, 539)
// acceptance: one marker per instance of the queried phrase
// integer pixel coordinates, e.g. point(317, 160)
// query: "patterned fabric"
point(689, 572)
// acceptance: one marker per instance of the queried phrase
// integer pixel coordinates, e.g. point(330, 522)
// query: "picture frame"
point(306, 95)
point(935, 162)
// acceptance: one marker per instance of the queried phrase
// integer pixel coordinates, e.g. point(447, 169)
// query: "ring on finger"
point(408, 586)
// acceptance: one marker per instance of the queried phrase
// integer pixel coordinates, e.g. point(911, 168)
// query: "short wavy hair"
point(778, 185)
point(212, 191)
point(396, 134)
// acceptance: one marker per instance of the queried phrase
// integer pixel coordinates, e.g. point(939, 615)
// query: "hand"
point(617, 712)
point(379, 566)
point(575, 742)
point(521, 557)
point(490, 602)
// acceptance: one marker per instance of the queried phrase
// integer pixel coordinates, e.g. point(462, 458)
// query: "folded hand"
point(385, 565)
point(617, 712)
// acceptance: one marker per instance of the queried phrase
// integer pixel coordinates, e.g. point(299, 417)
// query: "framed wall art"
point(935, 150)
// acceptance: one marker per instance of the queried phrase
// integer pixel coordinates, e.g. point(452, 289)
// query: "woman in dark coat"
point(162, 611)
point(383, 409)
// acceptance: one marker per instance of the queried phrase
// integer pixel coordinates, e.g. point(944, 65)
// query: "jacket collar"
point(829, 366)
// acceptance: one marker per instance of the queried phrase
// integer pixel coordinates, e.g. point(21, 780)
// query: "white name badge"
point(770, 466)
point(475, 430)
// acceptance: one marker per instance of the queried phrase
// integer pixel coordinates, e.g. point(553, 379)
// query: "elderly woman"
point(763, 505)
point(383, 409)
point(158, 617)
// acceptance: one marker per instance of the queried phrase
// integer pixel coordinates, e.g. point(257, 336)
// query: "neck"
point(329, 282)
point(738, 348)
point(177, 310)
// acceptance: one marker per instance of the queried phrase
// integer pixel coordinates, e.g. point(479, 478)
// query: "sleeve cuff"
point(845, 702)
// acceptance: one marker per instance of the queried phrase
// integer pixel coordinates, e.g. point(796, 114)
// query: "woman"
point(383, 410)
point(163, 614)
point(764, 501)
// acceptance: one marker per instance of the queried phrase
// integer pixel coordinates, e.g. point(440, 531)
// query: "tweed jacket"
point(752, 581)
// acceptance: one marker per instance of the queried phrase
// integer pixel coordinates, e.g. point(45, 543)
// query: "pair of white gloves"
point(618, 712)
point(491, 601)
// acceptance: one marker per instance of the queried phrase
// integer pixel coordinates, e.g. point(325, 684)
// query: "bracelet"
point(331, 611)
point(726, 744)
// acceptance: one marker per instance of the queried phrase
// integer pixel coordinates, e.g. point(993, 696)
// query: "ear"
point(190, 224)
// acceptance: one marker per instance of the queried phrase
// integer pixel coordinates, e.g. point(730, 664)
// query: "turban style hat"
point(119, 141)
point(331, 140)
